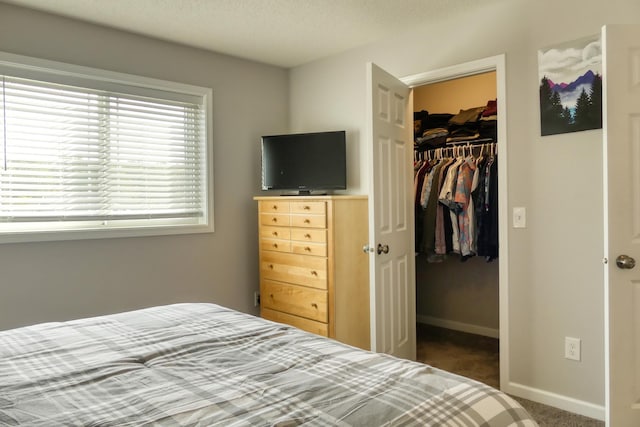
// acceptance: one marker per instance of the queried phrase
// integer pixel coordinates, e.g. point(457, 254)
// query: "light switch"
point(519, 217)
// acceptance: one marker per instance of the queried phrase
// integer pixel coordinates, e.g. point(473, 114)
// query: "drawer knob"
point(275, 245)
point(308, 249)
point(307, 221)
point(314, 273)
point(274, 219)
point(307, 207)
point(275, 233)
point(307, 236)
point(271, 296)
point(314, 305)
point(275, 207)
point(271, 266)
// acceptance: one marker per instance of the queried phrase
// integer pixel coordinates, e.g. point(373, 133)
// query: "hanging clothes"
point(456, 202)
point(462, 199)
point(428, 235)
point(447, 195)
point(441, 232)
point(421, 168)
point(488, 212)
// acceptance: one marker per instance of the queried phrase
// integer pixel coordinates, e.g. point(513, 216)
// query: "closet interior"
point(455, 189)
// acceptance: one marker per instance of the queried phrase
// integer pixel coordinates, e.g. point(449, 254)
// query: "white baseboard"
point(559, 401)
point(459, 326)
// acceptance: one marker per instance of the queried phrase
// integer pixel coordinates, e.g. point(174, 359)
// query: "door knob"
point(625, 261)
point(366, 249)
point(383, 249)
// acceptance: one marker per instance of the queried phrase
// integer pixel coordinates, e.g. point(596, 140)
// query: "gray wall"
point(555, 270)
point(459, 296)
point(70, 279)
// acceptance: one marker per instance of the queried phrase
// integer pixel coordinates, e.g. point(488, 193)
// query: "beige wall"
point(555, 270)
point(451, 96)
point(69, 279)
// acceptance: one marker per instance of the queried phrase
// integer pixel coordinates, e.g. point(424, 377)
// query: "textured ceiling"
point(286, 33)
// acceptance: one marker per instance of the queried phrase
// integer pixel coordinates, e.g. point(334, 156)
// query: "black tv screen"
point(304, 161)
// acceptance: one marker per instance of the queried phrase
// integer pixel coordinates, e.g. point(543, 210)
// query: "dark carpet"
point(477, 357)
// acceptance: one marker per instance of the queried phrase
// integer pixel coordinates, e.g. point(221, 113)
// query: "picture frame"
point(570, 86)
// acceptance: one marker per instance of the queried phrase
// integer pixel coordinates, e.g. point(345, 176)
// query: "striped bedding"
point(206, 365)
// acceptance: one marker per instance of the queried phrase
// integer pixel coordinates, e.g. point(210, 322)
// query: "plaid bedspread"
point(205, 365)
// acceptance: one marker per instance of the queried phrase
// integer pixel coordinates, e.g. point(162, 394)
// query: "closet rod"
point(470, 142)
point(491, 145)
point(466, 142)
point(489, 148)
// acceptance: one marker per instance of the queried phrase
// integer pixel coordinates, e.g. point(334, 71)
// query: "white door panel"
point(391, 235)
point(621, 129)
point(386, 310)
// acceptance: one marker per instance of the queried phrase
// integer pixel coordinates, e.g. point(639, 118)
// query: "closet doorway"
point(469, 295)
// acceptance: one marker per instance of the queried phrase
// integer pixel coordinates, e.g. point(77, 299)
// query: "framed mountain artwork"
point(571, 86)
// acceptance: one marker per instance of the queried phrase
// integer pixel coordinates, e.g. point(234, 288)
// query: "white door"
point(621, 128)
point(391, 215)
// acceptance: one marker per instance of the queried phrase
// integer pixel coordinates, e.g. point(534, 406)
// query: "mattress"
point(206, 365)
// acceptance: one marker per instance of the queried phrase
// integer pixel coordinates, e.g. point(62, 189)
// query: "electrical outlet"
point(572, 348)
point(256, 299)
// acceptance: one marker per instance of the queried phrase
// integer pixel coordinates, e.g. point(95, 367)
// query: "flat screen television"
point(304, 162)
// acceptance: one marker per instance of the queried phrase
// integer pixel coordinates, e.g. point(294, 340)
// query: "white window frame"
point(75, 75)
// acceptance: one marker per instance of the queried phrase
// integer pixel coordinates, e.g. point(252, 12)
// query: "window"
point(86, 153)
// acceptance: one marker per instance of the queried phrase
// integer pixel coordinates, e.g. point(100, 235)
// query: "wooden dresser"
point(313, 272)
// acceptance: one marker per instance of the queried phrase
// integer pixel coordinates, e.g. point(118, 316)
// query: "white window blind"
point(82, 157)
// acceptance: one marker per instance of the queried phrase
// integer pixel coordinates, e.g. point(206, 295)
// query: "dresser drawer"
point(275, 245)
point(316, 249)
point(267, 231)
point(293, 268)
point(312, 235)
point(309, 207)
point(274, 219)
point(311, 221)
point(308, 325)
point(274, 207)
point(297, 300)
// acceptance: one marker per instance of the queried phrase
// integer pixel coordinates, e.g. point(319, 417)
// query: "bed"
point(205, 365)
